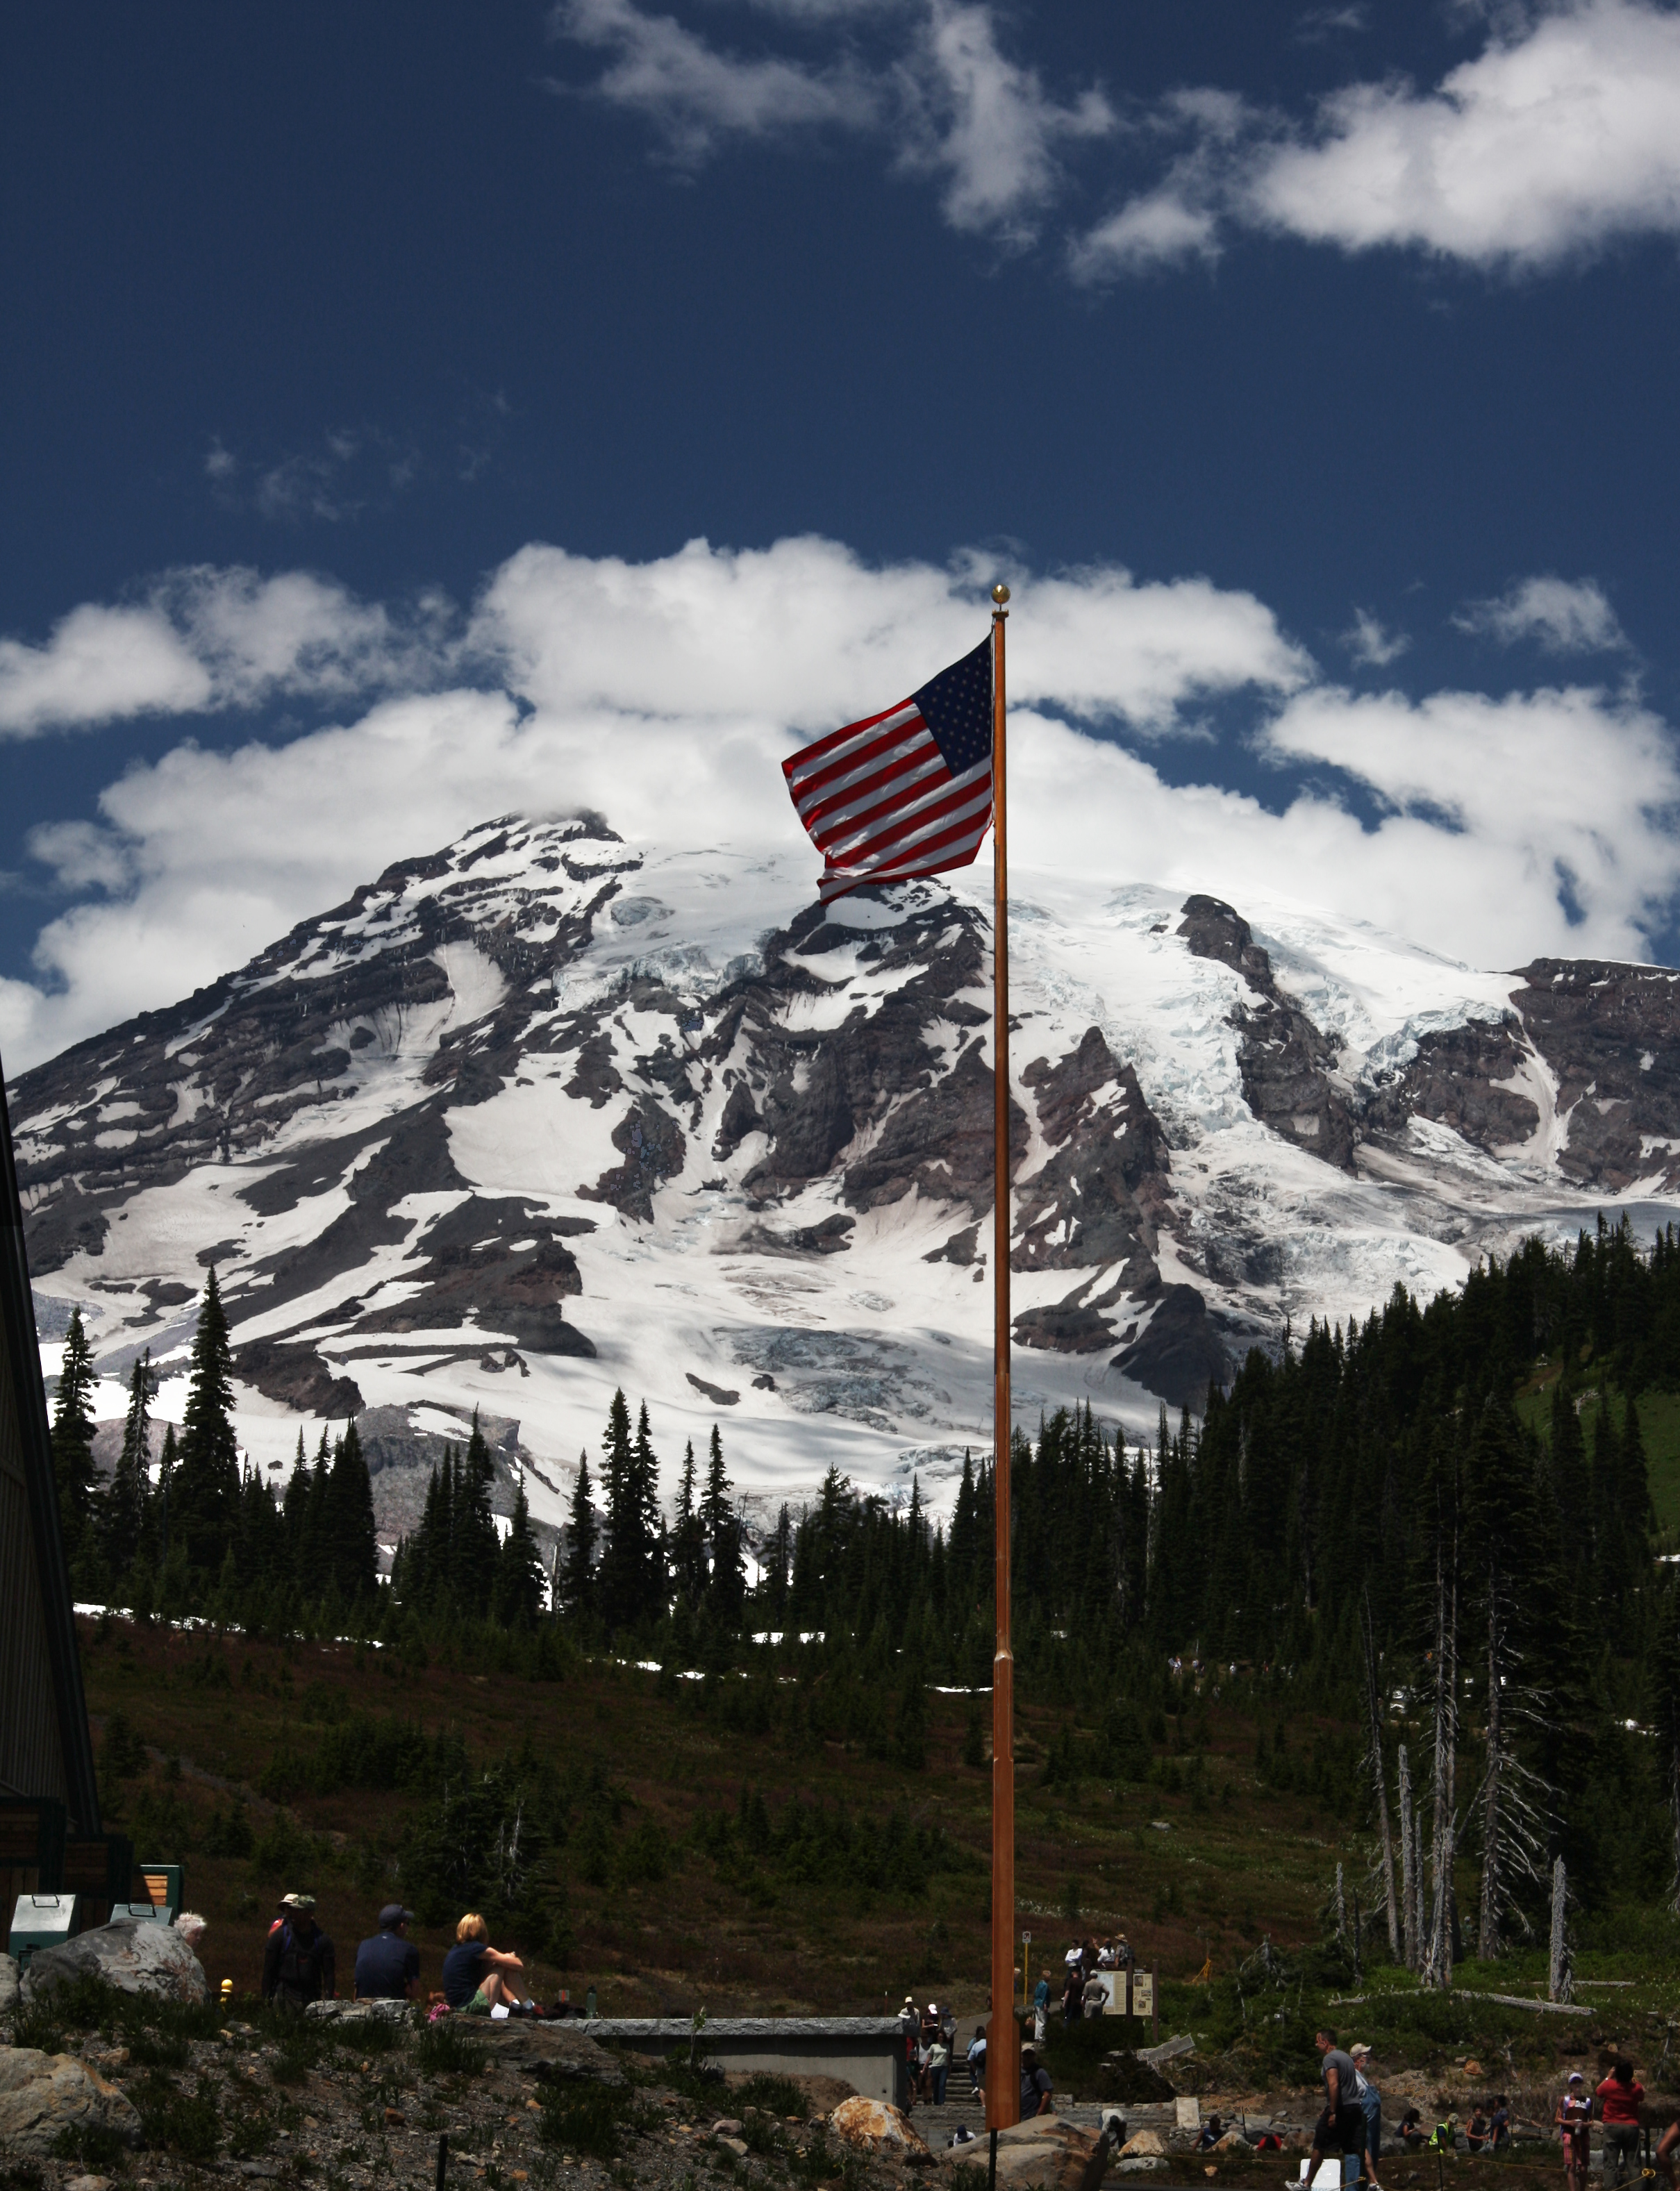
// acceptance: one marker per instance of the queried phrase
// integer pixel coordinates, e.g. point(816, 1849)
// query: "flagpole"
point(1003, 2045)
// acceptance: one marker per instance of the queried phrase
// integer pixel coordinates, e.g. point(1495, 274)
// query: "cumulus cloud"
point(207, 638)
point(1562, 136)
point(944, 101)
point(1564, 617)
point(665, 694)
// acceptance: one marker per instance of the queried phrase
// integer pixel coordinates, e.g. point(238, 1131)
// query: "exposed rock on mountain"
point(541, 1108)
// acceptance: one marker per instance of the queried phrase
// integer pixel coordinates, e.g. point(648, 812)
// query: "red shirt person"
point(1619, 2099)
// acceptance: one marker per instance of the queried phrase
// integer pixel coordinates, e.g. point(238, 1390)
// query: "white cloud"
point(666, 694)
point(1562, 136)
point(210, 639)
point(1564, 616)
point(1371, 644)
point(696, 96)
point(946, 100)
point(1554, 140)
point(98, 665)
point(988, 125)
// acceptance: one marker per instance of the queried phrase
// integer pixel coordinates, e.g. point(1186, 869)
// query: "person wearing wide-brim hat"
point(297, 1962)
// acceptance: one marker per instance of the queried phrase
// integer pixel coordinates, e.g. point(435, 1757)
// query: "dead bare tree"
point(1379, 1778)
point(1437, 1954)
point(1561, 1979)
point(1409, 1866)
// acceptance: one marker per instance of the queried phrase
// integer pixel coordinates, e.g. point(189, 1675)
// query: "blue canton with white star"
point(956, 706)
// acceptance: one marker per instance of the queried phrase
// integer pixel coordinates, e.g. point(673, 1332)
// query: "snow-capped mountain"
point(543, 1114)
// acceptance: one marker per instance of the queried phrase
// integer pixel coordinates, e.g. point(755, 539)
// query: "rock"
point(554, 2053)
point(358, 2012)
point(874, 2127)
point(89, 2183)
point(735, 2145)
point(8, 1983)
point(41, 2094)
point(1125, 2076)
point(1232, 2141)
point(133, 1955)
point(1474, 2069)
point(1139, 2164)
point(726, 2127)
point(1147, 2142)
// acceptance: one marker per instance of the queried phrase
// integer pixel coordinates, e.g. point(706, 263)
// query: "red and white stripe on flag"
point(881, 803)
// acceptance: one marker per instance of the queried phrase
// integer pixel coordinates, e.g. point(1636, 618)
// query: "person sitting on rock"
point(1035, 2086)
point(388, 1966)
point(476, 1975)
point(297, 1962)
point(1212, 2131)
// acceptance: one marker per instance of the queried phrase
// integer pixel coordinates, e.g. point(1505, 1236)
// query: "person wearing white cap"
point(1574, 2126)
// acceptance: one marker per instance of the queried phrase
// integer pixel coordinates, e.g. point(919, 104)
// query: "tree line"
point(1399, 1524)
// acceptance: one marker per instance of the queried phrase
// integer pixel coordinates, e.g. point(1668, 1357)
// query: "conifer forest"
point(1441, 1537)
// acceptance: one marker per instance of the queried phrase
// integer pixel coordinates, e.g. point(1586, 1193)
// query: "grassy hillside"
point(1196, 1862)
point(1659, 1426)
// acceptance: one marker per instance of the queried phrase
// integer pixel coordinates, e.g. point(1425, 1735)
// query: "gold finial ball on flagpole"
point(1000, 593)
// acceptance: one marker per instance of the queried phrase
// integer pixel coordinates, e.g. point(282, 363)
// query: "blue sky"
point(1310, 370)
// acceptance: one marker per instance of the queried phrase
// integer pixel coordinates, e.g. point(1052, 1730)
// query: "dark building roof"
point(45, 1748)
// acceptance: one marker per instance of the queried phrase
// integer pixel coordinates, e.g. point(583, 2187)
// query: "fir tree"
point(518, 1577)
point(577, 1585)
point(354, 1550)
point(726, 1589)
point(205, 1501)
point(73, 1435)
point(122, 1514)
point(688, 1538)
point(475, 1548)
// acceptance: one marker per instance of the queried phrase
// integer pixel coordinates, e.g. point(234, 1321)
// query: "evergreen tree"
point(631, 1587)
point(688, 1538)
point(205, 1501)
point(475, 1548)
point(122, 1512)
point(518, 1577)
point(353, 1548)
point(73, 1435)
point(726, 1591)
point(578, 1583)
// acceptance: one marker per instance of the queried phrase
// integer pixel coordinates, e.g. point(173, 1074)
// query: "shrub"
point(776, 2096)
point(582, 2118)
point(445, 2049)
point(185, 2123)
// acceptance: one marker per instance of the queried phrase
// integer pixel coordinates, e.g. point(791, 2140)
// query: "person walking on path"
point(1342, 2123)
point(1619, 2099)
point(1040, 2007)
point(1370, 2106)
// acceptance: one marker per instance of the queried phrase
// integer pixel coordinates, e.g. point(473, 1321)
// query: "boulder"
point(41, 2094)
point(554, 2053)
point(874, 2127)
point(1045, 2154)
point(359, 2012)
point(1232, 2141)
point(1146, 2144)
point(8, 1983)
point(132, 1954)
point(1141, 2164)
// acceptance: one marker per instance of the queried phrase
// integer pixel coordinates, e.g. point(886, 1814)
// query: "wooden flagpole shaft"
point(1003, 2041)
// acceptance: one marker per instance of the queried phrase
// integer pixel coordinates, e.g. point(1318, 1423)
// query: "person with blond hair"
point(477, 1977)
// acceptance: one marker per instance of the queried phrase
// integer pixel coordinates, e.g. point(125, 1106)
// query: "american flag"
point(905, 793)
